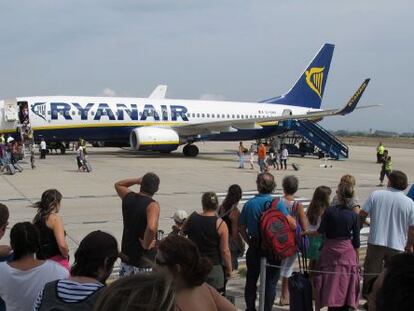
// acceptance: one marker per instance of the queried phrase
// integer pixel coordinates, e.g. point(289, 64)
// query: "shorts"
point(287, 266)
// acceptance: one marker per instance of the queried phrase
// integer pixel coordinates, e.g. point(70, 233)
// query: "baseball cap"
point(180, 216)
point(10, 139)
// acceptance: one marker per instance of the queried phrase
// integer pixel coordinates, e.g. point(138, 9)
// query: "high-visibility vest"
point(388, 165)
point(381, 149)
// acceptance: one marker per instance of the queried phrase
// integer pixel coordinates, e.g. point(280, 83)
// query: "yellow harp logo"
point(314, 78)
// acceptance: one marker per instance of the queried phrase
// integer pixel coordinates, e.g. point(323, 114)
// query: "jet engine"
point(151, 138)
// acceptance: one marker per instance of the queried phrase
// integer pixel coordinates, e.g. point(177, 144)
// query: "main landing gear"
point(190, 150)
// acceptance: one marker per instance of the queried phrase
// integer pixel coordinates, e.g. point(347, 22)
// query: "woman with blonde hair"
point(353, 203)
point(50, 226)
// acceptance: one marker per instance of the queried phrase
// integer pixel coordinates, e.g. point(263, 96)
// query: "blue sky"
point(232, 50)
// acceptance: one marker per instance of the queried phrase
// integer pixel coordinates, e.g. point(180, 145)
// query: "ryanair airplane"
point(160, 124)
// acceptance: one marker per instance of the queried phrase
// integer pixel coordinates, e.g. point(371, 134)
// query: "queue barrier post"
point(262, 283)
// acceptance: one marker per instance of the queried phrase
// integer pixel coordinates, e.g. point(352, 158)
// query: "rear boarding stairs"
point(315, 134)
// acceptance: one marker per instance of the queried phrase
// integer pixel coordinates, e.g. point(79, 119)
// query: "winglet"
point(159, 92)
point(352, 103)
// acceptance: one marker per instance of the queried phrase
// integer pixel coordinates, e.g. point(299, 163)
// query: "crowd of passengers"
point(189, 269)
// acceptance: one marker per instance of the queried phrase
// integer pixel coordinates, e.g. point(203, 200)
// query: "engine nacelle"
point(152, 138)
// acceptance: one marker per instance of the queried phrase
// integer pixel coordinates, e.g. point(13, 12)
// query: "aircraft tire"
point(190, 150)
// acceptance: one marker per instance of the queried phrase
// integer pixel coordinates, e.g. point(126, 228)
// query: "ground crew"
point(386, 167)
point(380, 152)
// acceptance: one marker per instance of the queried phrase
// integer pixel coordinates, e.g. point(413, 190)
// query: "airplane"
point(157, 123)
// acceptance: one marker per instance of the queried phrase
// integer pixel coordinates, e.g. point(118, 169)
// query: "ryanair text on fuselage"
point(119, 111)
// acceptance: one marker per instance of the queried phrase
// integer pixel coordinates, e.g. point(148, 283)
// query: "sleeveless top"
point(225, 215)
point(51, 302)
point(134, 214)
point(48, 243)
point(202, 230)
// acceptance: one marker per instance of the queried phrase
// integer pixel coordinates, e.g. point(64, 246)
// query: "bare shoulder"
point(53, 220)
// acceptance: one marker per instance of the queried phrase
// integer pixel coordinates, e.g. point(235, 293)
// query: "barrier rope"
point(326, 272)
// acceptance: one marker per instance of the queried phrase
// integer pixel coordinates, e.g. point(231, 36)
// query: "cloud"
point(108, 92)
point(212, 97)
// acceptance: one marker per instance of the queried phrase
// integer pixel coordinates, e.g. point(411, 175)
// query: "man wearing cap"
point(179, 218)
point(94, 261)
point(140, 213)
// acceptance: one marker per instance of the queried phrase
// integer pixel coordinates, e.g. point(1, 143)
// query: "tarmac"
point(90, 201)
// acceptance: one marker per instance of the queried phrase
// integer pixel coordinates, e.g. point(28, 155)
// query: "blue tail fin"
point(308, 90)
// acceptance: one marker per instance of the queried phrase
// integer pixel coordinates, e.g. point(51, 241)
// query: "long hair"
point(48, 204)
point(140, 292)
point(178, 250)
point(320, 201)
point(234, 194)
point(345, 192)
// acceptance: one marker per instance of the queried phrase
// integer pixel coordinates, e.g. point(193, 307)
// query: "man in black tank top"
point(140, 215)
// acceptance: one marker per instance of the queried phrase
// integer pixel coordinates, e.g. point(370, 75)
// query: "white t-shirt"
point(391, 213)
point(43, 145)
point(19, 289)
point(284, 155)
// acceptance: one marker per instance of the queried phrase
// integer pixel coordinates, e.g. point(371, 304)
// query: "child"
point(179, 218)
point(320, 202)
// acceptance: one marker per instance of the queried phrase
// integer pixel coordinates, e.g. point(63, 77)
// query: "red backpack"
point(277, 238)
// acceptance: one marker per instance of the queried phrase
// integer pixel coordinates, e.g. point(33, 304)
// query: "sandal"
point(283, 302)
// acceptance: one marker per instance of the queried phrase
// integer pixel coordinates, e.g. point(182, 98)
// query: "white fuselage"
point(68, 112)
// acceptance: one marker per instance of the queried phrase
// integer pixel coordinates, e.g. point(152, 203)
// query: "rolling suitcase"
point(300, 288)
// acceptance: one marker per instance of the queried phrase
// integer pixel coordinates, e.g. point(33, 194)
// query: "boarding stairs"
point(321, 138)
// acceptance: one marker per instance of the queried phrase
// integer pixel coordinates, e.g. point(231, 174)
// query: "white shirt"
point(70, 291)
point(19, 288)
point(43, 145)
point(284, 154)
point(391, 213)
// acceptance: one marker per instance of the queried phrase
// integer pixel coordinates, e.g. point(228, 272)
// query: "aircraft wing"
point(254, 123)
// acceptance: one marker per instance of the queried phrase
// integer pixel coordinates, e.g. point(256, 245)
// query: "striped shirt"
point(69, 291)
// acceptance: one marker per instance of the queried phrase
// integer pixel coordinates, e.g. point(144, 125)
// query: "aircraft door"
point(10, 110)
point(287, 112)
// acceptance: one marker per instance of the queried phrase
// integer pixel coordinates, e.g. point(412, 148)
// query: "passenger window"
point(238, 117)
point(73, 112)
point(212, 115)
point(208, 115)
point(223, 116)
point(198, 115)
point(218, 116)
point(202, 115)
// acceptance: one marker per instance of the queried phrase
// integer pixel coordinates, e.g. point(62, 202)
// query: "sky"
point(228, 50)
